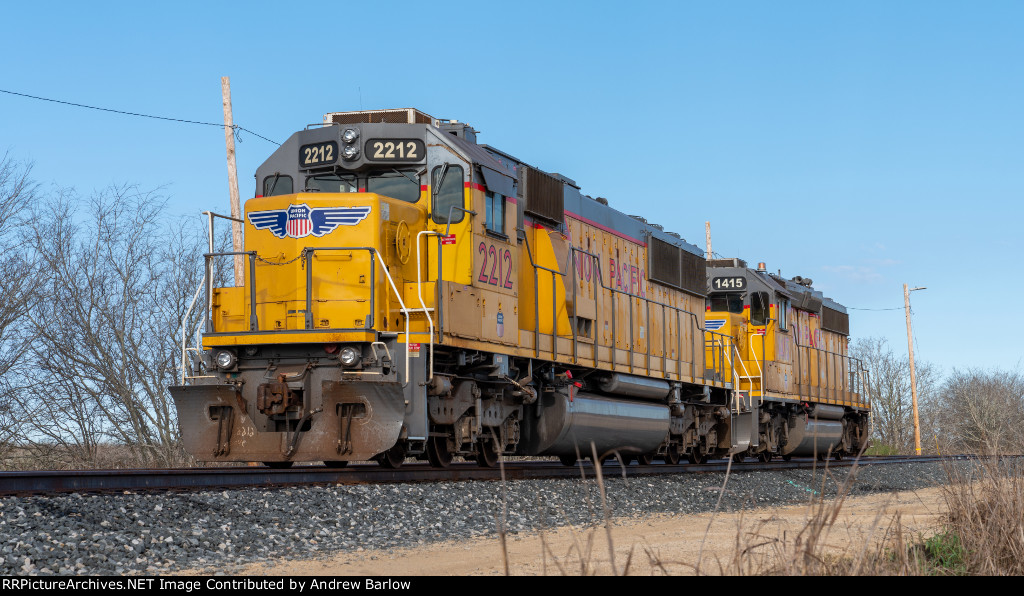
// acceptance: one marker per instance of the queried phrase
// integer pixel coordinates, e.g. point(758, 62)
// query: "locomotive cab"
point(316, 351)
point(790, 360)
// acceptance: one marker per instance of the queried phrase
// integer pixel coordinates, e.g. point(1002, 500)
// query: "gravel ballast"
point(151, 533)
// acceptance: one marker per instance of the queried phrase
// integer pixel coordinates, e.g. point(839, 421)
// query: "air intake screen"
point(385, 116)
point(671, 266)
point(833, 320)
point(695, 273)
point(665, 266)
point(545, 196)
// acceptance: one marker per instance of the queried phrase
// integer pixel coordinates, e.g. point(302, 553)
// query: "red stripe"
point(512, 200)
point(605, 228)
point(746, 306)
point(423, 188)
point(475, 186)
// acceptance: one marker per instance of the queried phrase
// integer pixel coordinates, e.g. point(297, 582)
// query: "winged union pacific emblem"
point(299, 221)
point(713, 324)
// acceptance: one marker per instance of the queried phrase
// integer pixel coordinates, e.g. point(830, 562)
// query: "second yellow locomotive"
point(409, 292)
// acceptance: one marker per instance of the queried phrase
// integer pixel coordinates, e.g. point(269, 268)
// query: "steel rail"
point(148, 480)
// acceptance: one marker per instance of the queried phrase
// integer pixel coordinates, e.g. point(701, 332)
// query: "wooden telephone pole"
point(236, 205)
point(913, 377)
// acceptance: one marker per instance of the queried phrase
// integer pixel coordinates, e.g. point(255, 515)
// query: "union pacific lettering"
point(628, 278)
point(622, 276)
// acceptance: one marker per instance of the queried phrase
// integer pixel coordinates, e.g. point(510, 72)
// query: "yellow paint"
point(343, 281)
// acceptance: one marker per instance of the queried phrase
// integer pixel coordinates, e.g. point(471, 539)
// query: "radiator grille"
point(665, 266)
point(671, 266)
point(833, 320)
point(409, 116)
point(695, 276)
point(545, 196)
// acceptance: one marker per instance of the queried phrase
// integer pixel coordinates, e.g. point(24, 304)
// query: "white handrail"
point(760, 372)
point(423, 304)
point(184, 322)
point(732, 365)
point(405, 311)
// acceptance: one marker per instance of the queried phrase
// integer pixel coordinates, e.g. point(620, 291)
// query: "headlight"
point(349, 356)
point(225, 359)
point(350, 152)
point(350, 135)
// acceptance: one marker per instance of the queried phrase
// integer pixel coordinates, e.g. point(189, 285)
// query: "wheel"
point(278, 465)
point(392, 458)
point(567, 460)
point(486, 456)
point(695, 456)
point(837, 455)
point(437, 452)
point(335, 464)
point(737, 458)
point(672, 455)
point(645, 459)
point(764, 457)
point(787, 457)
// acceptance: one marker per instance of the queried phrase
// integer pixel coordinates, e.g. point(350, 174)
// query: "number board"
point(729, 283)
point(318, 154)
point(395, 150)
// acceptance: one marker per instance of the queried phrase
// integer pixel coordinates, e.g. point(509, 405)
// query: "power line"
point(236, 128)
point(853, 308)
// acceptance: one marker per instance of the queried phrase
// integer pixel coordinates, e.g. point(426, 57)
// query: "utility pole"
point(236, 205)
point(707, 235)
point(913, 376)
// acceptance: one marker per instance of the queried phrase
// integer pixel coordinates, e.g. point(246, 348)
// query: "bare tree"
point(892, 416)
point(983, 411)
point(19, 284)
point(109, 331)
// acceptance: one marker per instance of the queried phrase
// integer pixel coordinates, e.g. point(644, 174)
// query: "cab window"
point(783, 311)
point(277, 185)
point(495, 207)
point(759, 308)
point(397, 184)
point(446, 183)
point(727, 302)
point(332, 183)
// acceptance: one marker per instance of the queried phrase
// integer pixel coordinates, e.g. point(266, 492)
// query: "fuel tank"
point(810, 437)
point(633, 386)
point(569, 426)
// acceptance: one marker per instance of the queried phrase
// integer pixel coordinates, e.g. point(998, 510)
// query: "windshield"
point(727, 302)
point(332, 183)
point(397, 184)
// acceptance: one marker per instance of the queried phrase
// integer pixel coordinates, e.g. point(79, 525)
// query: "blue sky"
point(865, 145)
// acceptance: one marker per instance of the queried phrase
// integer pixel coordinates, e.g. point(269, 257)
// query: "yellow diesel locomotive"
point(408, 292)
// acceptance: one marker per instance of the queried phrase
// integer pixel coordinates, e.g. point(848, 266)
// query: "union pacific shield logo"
point(299, 221)
point(299, 224)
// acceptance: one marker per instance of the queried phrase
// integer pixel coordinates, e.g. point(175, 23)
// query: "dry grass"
point(986, 517)
point(983, 535)
point(42, 456)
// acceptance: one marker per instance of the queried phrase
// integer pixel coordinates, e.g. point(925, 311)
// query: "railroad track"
point(145, 480)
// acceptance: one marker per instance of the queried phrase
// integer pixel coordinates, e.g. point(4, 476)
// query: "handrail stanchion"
point(254, 323)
